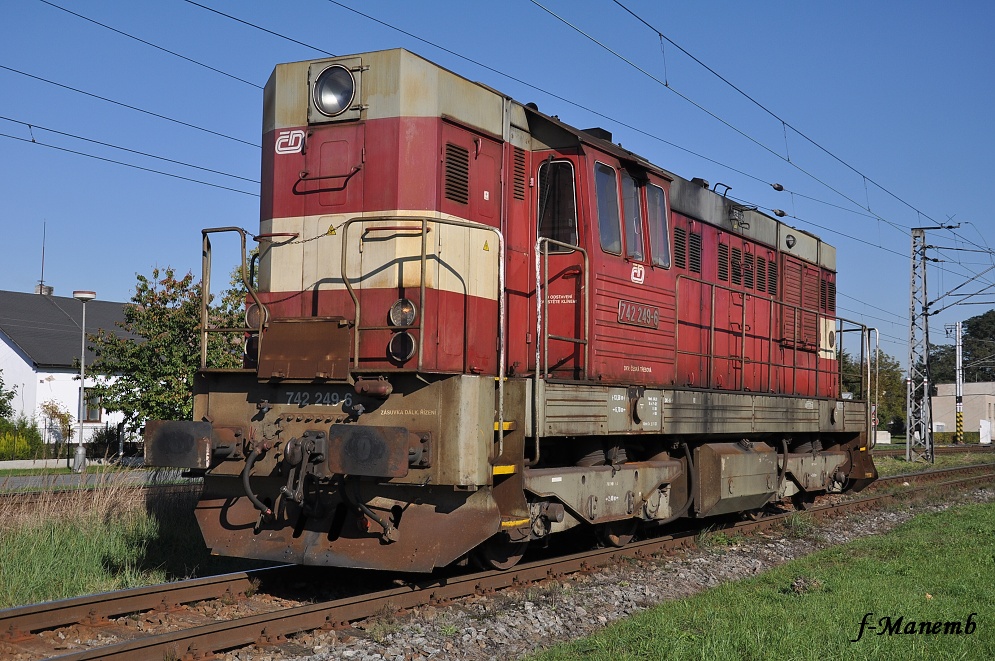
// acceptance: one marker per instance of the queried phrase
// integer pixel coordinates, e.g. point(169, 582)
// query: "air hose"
point(258, 504)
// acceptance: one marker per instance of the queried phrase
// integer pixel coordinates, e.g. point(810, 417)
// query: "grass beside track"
point(101, 539)
point(888, 466)
point(935, 568)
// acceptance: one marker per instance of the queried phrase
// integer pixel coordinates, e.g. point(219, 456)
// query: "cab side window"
point(633, 218)
point(557, 203)
point(656, 206)
point(606, 188)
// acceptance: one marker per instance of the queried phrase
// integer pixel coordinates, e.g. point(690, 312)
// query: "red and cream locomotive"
point(473, 326)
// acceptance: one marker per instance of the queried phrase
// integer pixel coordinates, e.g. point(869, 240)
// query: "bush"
point(21, 439)
point(947, 437)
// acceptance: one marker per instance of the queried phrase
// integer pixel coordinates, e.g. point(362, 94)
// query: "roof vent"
point(698, 181)
point(599, 133)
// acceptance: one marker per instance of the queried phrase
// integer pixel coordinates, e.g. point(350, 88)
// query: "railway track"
point(177, 620)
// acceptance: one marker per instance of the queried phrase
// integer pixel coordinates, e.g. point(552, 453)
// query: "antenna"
point(44, 232)
point(41, 288)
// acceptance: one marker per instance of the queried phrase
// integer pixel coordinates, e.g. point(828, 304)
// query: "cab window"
point(606, 187)
point(656, 209)
point(632, 212)
point(557, 203)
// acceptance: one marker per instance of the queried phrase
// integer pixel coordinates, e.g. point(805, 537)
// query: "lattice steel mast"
point(919, 431)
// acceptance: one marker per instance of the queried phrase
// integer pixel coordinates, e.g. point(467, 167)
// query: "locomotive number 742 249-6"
point(319, 398)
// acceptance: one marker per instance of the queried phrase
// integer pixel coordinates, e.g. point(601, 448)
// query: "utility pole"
point(918, 430)
point(957, 330)
point(959, 437)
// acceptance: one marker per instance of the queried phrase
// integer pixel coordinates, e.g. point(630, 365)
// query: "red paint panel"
point(459, 333)
point(399, 159)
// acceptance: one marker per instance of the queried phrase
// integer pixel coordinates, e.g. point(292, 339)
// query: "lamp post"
point(79, 464)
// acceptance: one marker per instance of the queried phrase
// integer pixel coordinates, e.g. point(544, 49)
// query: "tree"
point(6, 397)
point(888, 384)
point(978, 353)
point(149, 375)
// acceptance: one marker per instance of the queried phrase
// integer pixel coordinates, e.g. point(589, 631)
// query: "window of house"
point(91, 412)
point(606, 187)
point(633, 215)
point(656, 212)
point(557, 203)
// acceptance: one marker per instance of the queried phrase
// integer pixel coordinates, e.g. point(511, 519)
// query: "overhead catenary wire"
point(130, 165)
point(126, 149)
point(129, 107)
point(259, 27)
point(152, 45)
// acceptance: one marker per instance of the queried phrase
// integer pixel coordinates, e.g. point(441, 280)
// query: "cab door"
point(562, 327)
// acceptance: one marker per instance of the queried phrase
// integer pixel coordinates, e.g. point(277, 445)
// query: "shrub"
point(21, 439)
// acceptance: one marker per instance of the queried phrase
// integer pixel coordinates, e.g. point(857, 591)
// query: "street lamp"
point(79, 464)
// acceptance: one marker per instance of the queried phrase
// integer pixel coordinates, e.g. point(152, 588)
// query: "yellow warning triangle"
point(331, 230)
point(485, 247)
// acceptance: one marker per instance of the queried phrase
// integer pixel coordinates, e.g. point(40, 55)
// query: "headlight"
point(401, 347)
point(333, 91)
point(254, 315)
point(402, 313)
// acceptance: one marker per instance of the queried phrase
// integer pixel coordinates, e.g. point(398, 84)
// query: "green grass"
point(99, 540)
point(888, 466)
point(937, 567)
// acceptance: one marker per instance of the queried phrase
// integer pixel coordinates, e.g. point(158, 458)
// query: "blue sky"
point(900, 92)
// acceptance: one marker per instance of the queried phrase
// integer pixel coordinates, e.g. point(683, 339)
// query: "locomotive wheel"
point(499, 553)
point(617, 533)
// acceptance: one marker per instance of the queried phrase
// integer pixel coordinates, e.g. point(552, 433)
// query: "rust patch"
point(312, 348)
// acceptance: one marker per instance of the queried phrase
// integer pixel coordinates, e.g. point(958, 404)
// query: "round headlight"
point(402, 313)
point(334, 89)
point(254, 315)
point(401, 347)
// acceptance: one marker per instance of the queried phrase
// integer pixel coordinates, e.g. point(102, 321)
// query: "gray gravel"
point(513, 623)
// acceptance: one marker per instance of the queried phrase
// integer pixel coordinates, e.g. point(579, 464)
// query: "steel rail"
point(16, 623)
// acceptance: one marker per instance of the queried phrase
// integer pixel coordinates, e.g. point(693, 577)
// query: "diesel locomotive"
point(470, 326)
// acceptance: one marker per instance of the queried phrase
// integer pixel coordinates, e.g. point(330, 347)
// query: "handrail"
point(206, 291)
point(424, 229)
point(542, 329)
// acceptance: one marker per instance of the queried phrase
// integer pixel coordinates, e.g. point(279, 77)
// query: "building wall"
point(18, 371)
point(36, 388)
point(979, 404)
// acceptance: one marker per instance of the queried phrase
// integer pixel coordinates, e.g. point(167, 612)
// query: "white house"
point(40, 342)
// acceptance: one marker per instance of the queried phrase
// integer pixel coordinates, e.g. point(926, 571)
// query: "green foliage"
point(6, 397)
point(59, 417)
point(888, 383)
point(155, 367)
point(978, 353)
point(21, 439)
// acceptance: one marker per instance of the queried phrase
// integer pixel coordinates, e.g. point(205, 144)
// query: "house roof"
point(48, 328)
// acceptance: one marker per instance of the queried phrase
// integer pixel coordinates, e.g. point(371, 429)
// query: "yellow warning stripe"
point(504, 469)
point(514, 523)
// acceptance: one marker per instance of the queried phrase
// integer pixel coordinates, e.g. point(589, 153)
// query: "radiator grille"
point(680, 248)
point(518, 177)
point(723, 262)
point(695, 256)
point(457, 173)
